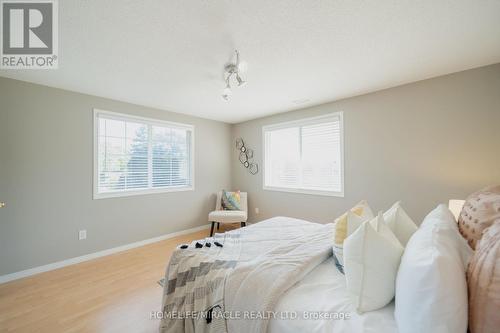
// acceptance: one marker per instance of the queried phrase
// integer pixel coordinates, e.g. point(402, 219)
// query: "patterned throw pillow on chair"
point(230, 200)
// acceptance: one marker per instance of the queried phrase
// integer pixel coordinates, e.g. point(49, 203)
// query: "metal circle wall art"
point(246, 157)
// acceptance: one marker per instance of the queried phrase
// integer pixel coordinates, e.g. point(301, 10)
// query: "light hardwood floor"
point(116, 293)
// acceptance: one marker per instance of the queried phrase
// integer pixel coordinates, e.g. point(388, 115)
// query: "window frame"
point(303, 122)
point(144, 120)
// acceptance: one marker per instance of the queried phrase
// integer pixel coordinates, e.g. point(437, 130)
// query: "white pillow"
point(400, 223)
point(431, 287)
point(371, 255)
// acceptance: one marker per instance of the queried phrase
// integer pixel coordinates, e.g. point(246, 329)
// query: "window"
point(134, 155)
point(305, 156)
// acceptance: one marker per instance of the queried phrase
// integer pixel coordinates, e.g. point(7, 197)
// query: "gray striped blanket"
point(233, 288)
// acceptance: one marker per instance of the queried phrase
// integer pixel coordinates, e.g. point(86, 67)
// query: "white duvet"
point(280, 266)
point(234, 286)
point(322, 291)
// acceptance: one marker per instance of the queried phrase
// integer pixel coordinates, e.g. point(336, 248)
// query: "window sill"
point(131, 193)
point(304, 191)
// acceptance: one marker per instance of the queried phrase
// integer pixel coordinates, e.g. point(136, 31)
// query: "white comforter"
point(281, 266)
point(255, 286)
point(245, 278)
point(324, 291)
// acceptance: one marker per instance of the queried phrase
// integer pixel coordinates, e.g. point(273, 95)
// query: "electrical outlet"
point(257, 211)
point(82, 234)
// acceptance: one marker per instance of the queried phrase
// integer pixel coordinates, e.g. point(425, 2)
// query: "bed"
point(294, 273)
point(284, 275)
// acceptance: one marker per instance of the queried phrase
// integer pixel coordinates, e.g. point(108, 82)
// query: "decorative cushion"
point(345, 225)
point(351, 220)
point(372, 255)
point(363, 209)
point(431, 288)
point(400, 223)
point(478, 213)
point(483, 278)
point(230, 200)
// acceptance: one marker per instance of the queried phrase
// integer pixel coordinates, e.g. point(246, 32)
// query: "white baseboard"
point(76, 260)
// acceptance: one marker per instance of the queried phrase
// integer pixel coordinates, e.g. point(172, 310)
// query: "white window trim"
point(149, 121)
point(302, 122)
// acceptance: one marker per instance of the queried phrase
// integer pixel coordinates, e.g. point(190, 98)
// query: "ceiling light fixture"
point(232, 70)
point(227, 91)
point(241, 83)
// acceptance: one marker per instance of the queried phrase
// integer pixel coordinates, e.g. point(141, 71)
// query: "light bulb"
point(227, 91)
point(241, 83)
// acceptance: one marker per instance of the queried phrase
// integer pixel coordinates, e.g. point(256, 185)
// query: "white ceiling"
point(170, 54)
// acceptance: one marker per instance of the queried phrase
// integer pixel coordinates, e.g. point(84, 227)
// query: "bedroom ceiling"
point(170, 54)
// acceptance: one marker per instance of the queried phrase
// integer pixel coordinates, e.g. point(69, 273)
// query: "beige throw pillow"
point(480, 210)
point(483, 279)
point(345, 225)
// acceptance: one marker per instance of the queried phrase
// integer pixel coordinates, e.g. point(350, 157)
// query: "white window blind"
point(137, 155)
point(305, 156)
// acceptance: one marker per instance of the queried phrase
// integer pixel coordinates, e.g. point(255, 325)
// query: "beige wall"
point(422, 143)
point(46, 164)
